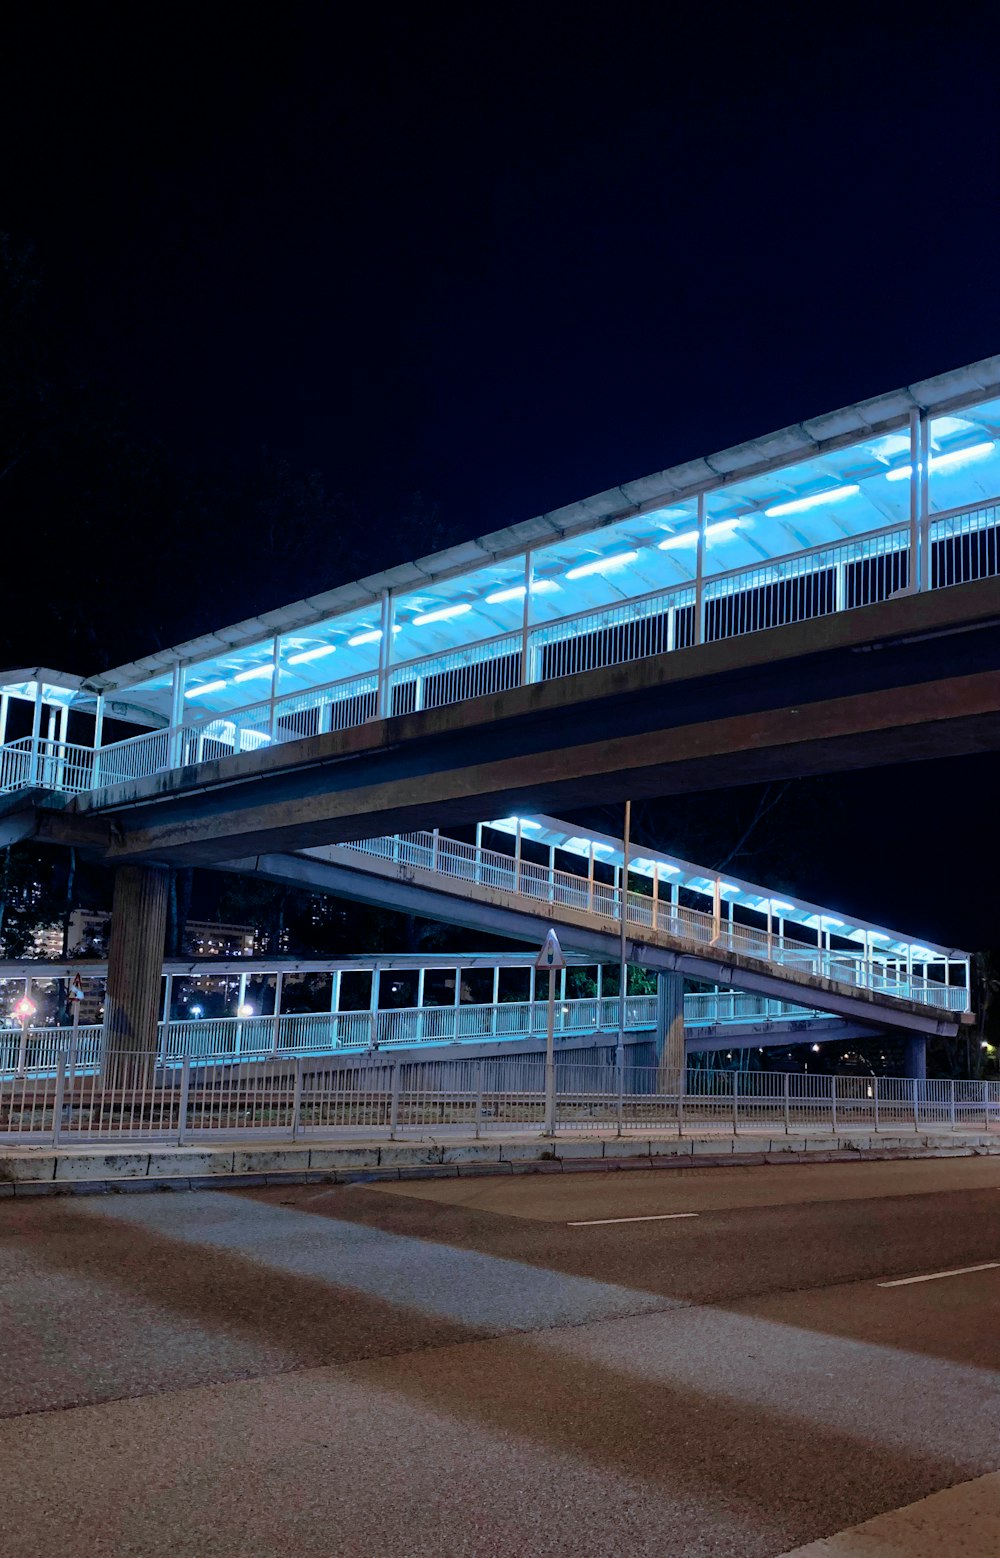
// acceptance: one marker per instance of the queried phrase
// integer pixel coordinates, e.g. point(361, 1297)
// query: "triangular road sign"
point(551, 955)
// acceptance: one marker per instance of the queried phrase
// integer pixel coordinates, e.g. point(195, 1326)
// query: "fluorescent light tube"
point(812, 501)
point(951, 460)
point(198, 692)
point(602, 565)
point(441, 614)
point(312, 654)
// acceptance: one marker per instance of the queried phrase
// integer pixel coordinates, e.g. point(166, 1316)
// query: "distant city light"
point(949, 461)
point(815, 1049)
point(812, 500)
point(196, 1011)
point(246, 1010)
point(25, 1008)
point(199, 692)
point(306, 655)
point(602, 565)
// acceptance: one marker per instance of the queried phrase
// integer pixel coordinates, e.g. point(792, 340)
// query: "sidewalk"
point(92, 1169)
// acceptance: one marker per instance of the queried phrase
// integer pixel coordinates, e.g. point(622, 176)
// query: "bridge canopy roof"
point(833, 477)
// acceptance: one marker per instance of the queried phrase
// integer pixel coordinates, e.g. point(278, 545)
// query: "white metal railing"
point(964, 545)
point(133, 1097)
point(313, 1033)
point(457, 860)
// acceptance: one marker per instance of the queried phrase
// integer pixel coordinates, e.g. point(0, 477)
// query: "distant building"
point(88, 937)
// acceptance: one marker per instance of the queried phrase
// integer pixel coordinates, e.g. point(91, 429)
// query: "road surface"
point(703, 1361)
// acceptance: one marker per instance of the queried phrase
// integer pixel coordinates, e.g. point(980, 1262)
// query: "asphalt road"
point(495, 1366)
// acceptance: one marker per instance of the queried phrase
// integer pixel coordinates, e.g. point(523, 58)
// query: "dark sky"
point(506, 256)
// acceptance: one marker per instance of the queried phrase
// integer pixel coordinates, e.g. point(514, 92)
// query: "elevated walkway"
point(860, 972)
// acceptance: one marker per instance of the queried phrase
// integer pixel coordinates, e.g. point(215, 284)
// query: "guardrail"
point(316, 1033)
point(133, 1097)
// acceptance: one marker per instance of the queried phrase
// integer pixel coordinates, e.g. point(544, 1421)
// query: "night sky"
point(500, 257)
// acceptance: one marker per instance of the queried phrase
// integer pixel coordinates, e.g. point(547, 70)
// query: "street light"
point(246, 1010)
point(25, 1009)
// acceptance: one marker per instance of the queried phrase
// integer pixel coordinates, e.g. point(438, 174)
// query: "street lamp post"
point(25, 1009)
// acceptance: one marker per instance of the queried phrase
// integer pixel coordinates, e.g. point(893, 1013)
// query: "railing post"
point(57, 1103)
point(394, 1102)
point(736, 1102)
point(951, 1108)
point(297, 1099)
point(479, 1097)
point(916, 1106)
point(875, 1096)
point(681, 1088)
point(833, 1103)
point(786, 1101)
point(182, 1110)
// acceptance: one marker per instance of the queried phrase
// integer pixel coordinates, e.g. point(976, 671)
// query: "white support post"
point(175, 738)
point(716, 909)
point(912, 583)
point(335, 1001)
point(526, 623)
point(925, 580)
point(421, 977)
point(517, 856)
point(477, 872)
point(373, 1006)
point(383, 702)
point(99, 722)
point(276, 1024)
point(4, 707)
point(623, 953)
point(496, 999)
point(36, 726)
point(699, 575)
point(590, 878)
point(272, 708)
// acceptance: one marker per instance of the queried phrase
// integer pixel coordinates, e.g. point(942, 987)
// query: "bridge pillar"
point(915, 1057)
point(670, 1058)
point(135, 959)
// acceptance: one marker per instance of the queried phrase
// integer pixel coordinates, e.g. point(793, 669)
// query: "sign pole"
point(550, 1059)
point(550, 958)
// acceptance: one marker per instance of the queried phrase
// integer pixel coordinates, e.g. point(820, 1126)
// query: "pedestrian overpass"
point(824, 597)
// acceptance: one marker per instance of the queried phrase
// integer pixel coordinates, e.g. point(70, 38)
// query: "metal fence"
point(131, 1096)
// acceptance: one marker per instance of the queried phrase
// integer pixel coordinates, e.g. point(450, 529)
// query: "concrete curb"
point(34, 1171)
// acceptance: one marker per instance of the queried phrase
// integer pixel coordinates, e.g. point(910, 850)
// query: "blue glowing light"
point(953, 460)
point(602, 565)
point(312, 654)
point(441, 614)
point(813, 500)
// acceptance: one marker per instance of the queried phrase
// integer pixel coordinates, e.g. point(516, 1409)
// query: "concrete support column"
point(915, 1057)
point(670, 1056)
point(135, 959)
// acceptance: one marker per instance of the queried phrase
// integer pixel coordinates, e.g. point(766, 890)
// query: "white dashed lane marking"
point(935, 1276)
